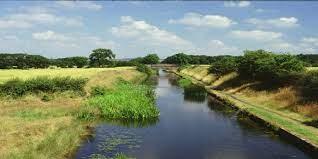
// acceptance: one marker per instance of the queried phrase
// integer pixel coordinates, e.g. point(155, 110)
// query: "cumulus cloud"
point(239, 4)
point(50, 35)
point(80, 5)
point(145, 32)
point(29, 18)
point(218, 47)
point(258, 35)
point(63, 40)
point(310, 40)
point(198, 20)
point(283, 22)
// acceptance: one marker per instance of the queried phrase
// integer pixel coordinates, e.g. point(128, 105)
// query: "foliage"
point(150, 59)
point(17, 87)
point(179, 59)
point(184, 82)
point(183, 59)
point(310, 85)
point(101, 57)
point(70, 62)
point(223, 66)
point(22, 61)
point(263, 65)
point(126, 101)
point(144, 68)
point(309, 59)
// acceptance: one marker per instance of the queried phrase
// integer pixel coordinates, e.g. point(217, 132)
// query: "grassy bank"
point(36, 128)
point(282, 107)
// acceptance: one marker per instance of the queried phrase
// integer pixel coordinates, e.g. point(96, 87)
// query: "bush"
point(223, 66)
point(144, 68)
point(310, 85)
point(17, 87)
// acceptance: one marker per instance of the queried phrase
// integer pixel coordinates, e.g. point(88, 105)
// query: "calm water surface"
point(191, 125)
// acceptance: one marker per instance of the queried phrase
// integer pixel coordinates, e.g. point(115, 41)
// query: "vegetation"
point(70, 62)
point(309, 59)
point(150, 59)
point(101, 57)
point(184, 82)
point(22, 61)
point(126, 101)
point(44, 84)
point(225, 65)
point(47, 126)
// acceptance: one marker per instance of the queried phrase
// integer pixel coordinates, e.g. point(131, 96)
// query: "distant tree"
point(180, 59)
point(100, 57)
point(79, 61)
point(151, 59)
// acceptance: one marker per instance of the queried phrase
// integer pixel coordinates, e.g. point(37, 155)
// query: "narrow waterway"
point(192, 125)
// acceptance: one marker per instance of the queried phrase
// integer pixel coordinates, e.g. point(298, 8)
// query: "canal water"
point(192, 125)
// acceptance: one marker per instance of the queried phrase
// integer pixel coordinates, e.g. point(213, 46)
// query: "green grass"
point(184, 82)
point(125, 101)
point(33, 127)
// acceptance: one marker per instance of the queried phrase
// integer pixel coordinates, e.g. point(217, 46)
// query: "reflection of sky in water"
point(188, 129)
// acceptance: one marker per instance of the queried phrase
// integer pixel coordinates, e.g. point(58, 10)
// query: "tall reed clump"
point(126, 101)
point(17, 87)
point(184, 82)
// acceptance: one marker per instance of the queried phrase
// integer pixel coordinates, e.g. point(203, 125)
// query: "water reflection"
point(132, 123)
point(194, 93)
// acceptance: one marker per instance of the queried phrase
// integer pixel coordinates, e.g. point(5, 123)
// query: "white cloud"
point(310, 41)
point(198, 20)
point(80, 5)
point(239, 4)
point(283, 22)
point(50, 35)
point(218, 47)
point(147, 33)
point(29, 18)
point(65, 41)
point(258, 35)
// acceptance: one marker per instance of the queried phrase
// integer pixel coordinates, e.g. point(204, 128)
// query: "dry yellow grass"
point(31, 128)
point(7, 74)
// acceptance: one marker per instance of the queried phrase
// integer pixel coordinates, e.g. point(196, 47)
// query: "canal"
point(192, 125)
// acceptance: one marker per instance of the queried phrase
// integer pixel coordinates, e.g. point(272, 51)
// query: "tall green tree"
point(151, 59)
point(101, 57)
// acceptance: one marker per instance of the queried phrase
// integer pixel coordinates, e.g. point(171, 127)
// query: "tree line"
point(100, 57)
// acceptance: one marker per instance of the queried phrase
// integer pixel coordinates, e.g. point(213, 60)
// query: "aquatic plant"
point(184, 82)
point(125, 101)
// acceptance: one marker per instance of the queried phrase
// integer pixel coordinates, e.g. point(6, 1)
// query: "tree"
point(100, 57)
point(223, 66)
point(180, 59)
point(151, 59)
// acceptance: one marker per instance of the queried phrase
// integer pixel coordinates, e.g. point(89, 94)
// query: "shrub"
point(144, 68)
point(17, 87)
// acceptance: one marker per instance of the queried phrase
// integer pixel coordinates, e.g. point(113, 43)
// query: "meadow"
point(35, 128)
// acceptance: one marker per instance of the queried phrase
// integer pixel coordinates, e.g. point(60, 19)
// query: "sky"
point(135, 28)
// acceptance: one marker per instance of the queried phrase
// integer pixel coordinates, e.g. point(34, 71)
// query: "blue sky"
point(131, 29)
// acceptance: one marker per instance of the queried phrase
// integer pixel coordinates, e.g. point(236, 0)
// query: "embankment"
point(276, 108)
